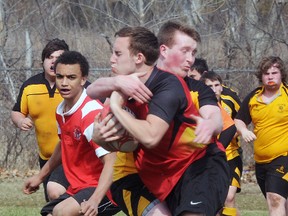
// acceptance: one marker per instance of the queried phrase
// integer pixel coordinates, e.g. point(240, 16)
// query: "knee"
point(61, 210)
point(274, 200)
point(58, 211)
point(54, 190)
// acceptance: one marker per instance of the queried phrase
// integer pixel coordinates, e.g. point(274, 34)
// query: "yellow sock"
point(229, 211)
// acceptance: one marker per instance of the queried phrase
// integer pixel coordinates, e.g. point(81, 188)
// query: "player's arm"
point(227, 135)
point(243, 119)
point(130, 85)
point(21, 121)
point(19, 113)
point(90, 207)
point(31, 185)
point(209, 123)
point(148, 132)
point(242, 129)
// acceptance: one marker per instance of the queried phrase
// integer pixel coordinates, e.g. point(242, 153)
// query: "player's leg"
point(159, 209)
point(57, 183)
point(229, 208)
point(48, 208)
point(72, 205)
point(276, 204)
point(68, 207)
point(236, 167)
point(45, 182)
point(276, 185)
point(134, 199)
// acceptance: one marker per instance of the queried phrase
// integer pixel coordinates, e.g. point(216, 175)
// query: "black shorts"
point(132, 196)
point(203, 188)
point(273, 176)
point(236, 168)
point(59, 177)
point(56, 176)
point(106, 207)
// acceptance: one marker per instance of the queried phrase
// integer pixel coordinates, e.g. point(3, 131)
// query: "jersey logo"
point(77, 133)
point(280, 170)
point(195, 203)
point(281, 108)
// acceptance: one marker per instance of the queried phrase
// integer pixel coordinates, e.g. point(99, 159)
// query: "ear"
point(140, 58)
point(83, 80)
point(163, 50)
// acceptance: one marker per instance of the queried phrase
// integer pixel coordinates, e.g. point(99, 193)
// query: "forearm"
point(213, 115)
point(148, 132)
point(17, 118)
point(105, 179)
point(227, 135)
point(241, 126)
point(102, 87)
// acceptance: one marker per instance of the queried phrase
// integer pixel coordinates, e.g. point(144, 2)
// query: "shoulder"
point(36, 79)
point(90, 105)
point(195, 85)
point(256, 91)
point(285, 88)
point(161, 81)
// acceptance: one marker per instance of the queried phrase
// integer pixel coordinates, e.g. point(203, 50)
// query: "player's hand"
point(117, 99)
point(31, 185)
point(203, 131)
point(248, 136)
point(132, 86)
point(106, 130)
point(88, 208)
point(25, 124)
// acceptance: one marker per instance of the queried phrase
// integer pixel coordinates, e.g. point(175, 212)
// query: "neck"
point(270, 92)
point(69, 103)
point(50, 79)
point(146, 71)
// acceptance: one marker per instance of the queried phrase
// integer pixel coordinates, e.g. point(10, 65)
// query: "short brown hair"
point(142, 41)
point(211, 75)
point(168, 30)
point(268, 62)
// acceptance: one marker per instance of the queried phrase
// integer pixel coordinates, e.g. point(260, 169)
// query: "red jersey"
point(160, 168)
point(80, 155)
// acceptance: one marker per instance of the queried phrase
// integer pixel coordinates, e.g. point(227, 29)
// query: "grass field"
point(14, 203)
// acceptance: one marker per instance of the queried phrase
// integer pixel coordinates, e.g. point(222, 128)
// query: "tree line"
point(235, 34)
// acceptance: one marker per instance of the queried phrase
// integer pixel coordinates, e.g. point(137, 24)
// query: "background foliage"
point(235, 35)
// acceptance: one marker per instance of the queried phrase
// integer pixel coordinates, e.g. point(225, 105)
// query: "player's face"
point(69, 82)
point(122, 61)
point(215, 86)
point(194, 74)
point(272, 78)
point(181, 55)
point(48, 64)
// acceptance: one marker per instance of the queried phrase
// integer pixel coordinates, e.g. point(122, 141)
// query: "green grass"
point(13, 202)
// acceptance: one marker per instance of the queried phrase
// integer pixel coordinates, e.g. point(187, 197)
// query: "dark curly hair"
point(268, 62)
point(74, 57)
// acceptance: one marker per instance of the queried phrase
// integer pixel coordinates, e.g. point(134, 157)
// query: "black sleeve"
point(227, 135)
point(168, 98)
point(244, 112)
point(206, 96)
point(227, 91)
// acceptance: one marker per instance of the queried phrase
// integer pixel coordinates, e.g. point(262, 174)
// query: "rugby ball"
point(127, 143)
